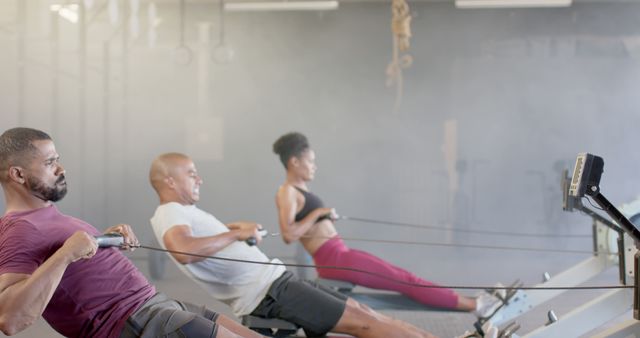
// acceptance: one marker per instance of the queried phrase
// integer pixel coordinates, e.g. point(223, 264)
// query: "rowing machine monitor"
point(586, 175)
point(586, 180)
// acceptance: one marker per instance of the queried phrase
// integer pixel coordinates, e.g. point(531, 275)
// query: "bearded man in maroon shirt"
point(50, 264)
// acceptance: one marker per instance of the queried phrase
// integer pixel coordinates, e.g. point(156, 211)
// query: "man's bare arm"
point(24, 297)
point(180, 238)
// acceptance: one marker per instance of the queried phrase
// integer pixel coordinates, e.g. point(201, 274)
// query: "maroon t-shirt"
point(95, 296)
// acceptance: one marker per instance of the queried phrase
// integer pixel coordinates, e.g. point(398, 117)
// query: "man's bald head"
point(162, 167)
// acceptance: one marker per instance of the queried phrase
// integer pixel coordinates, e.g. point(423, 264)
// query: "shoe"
point(499, 291)
point(489, 330)
point(486, 303)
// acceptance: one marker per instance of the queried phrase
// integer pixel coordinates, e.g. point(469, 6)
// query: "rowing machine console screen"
point(586, 175)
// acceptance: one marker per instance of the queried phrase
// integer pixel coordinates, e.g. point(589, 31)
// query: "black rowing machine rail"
point(586, 181)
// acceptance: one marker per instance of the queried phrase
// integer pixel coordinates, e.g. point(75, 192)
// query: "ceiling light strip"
point(511, 3)
point(280, 6)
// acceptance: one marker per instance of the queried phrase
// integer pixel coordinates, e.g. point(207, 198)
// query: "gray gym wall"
point(529, 89)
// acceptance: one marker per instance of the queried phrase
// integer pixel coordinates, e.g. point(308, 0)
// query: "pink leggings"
point(335, 253)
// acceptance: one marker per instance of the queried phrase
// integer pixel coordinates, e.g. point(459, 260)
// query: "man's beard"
point(45, 193)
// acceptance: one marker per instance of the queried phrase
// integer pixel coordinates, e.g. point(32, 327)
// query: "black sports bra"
point(311, 202)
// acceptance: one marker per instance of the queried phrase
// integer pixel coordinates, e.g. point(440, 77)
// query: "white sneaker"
point(499, 291)
point(489, 330)
point(487, 303)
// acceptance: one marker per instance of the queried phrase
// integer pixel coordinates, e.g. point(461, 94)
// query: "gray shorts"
point(161, 316)
point(315, 308)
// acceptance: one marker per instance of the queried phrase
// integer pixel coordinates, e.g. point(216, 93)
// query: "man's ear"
point(169, 182)
point(16, 174)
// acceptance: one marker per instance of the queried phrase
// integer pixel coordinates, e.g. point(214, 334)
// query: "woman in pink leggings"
point(302, 216)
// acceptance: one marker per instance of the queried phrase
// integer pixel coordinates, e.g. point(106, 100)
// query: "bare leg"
point(233, 329)
point(225, 333)
point(362, 322)
point(466, 303)
point(380, 316)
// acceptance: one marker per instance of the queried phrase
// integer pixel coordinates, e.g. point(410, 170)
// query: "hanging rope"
point(401, 29)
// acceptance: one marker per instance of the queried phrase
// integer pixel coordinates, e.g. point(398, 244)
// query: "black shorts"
point(161, 316)
point(315, 308)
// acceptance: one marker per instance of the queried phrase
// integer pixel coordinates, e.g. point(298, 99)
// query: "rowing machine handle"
point(251, 241)
point(110, 240)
